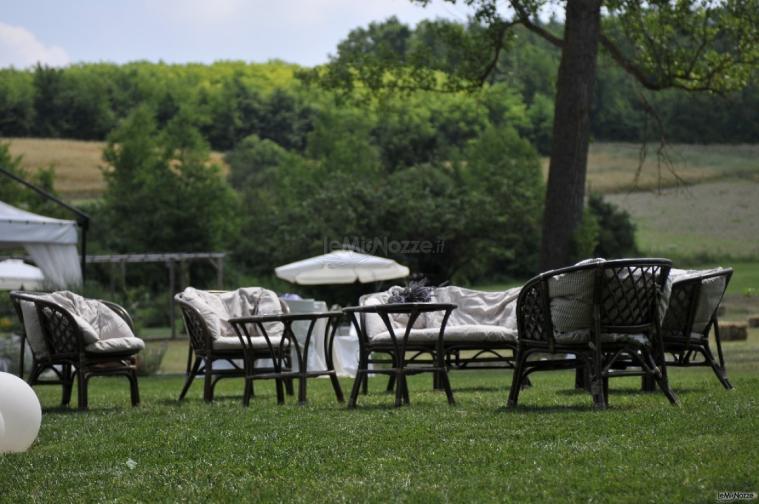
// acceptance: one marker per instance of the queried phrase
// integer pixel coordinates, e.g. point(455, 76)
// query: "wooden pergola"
point(173, 261)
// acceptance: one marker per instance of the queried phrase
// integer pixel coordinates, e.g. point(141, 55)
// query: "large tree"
point(694, 45)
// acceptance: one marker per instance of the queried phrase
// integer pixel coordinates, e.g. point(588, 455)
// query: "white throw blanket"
point(217, 308)
point(96, 321)
point(571, 298)
point(474, 308)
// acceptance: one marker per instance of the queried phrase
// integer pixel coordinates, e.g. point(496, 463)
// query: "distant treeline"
point(229, 101)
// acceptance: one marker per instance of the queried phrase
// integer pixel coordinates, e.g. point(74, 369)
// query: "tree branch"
point(628, 66)
point(523, 18)
point(498, 47)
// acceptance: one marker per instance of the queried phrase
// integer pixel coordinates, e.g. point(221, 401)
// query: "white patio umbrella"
point(341, 267)
point(15, 274)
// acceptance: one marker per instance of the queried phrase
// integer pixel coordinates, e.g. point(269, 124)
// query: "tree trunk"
point(571, 132)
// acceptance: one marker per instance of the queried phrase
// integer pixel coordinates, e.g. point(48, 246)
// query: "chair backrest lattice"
point(627, 293)
point(681, 308)
point(533, 315)
point(61, 332)
point(623, 293)
point(195, 326)
point(693, 303)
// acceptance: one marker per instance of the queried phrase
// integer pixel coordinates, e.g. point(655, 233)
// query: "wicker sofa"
point(480, 333)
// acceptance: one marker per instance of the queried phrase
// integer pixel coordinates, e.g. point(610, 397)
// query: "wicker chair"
point(207, 351)
point(600, 313)
point(65, 351)
point(690, 316)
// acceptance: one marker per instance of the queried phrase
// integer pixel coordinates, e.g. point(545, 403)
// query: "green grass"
point(613, 167)
point(553, 448)
point(716, 219)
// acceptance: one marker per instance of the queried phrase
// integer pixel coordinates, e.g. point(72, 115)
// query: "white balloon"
point(21, 413)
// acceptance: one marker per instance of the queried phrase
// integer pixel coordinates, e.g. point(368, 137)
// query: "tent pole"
point(83, 220)
point(84, 224)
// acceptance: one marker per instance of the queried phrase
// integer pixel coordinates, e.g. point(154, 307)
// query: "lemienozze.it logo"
point(736, 496)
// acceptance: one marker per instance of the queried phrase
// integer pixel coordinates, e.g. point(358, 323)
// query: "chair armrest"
point(120, 311)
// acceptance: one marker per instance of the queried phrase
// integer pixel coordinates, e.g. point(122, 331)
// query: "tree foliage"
point(162, 195)
point(690, 44)
point(440, 218)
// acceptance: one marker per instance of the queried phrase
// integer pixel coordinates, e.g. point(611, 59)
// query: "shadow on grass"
point(73, 410)
point(569, 408)
point(479, 388)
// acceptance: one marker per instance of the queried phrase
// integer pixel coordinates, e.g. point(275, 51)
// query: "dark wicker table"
point(397, 346)
point(242, 324)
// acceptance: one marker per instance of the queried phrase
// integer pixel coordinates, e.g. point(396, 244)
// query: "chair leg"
point(660, 375)
point(390, 384)
point(190, 377)
point(401, 378)
point(302, 384)
point(134, 387)
point(647, 383)
point(606, 390)
point(248, 391)
point(365, 384)
point(580, 382)
point(517, 379)
point(208, 380)
point(289, 388)
point(67, 385)
point(82, 380)
point(526, 383)
point(336, 387)
point(289, 381)
point(446, 385)
point(596, 381)
point(718, 370)
point(280, 391)
point(356, 388)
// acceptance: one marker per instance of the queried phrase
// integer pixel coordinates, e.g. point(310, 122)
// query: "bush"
point(616, 233)
point(149, 360)
point(477, 216)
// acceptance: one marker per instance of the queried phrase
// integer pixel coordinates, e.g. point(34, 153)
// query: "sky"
point(62, 32)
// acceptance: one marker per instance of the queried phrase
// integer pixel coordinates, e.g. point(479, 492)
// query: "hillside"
point(712, 216)
point(77, 163)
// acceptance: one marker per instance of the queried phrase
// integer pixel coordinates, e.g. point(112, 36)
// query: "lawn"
point(77, 163)
point(553, 448)
point(715, 219)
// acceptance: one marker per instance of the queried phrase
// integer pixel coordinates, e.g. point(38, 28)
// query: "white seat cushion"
point(233, 343)
point(33, 330)
point(577, 337)
point(454, 334)
point(116, 346)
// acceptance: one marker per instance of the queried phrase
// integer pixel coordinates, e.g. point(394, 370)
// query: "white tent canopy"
point(341, 267)
point(16, 274)
point(52, 243)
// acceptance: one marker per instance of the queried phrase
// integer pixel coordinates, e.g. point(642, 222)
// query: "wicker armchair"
point(63, 349)
point(205, 350)
point(690, 316)
point(600, 313)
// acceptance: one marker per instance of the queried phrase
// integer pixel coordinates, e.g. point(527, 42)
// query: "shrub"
point(616, 233)
point(149, 360)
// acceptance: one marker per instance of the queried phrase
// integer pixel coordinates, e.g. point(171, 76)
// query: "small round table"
point(398, 345)
point(241, 326)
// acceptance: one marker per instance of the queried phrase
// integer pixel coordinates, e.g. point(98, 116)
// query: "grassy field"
point(77, 163)
point(553, 448)
point(717, 219)
point(612, 167)
point(713, 216)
